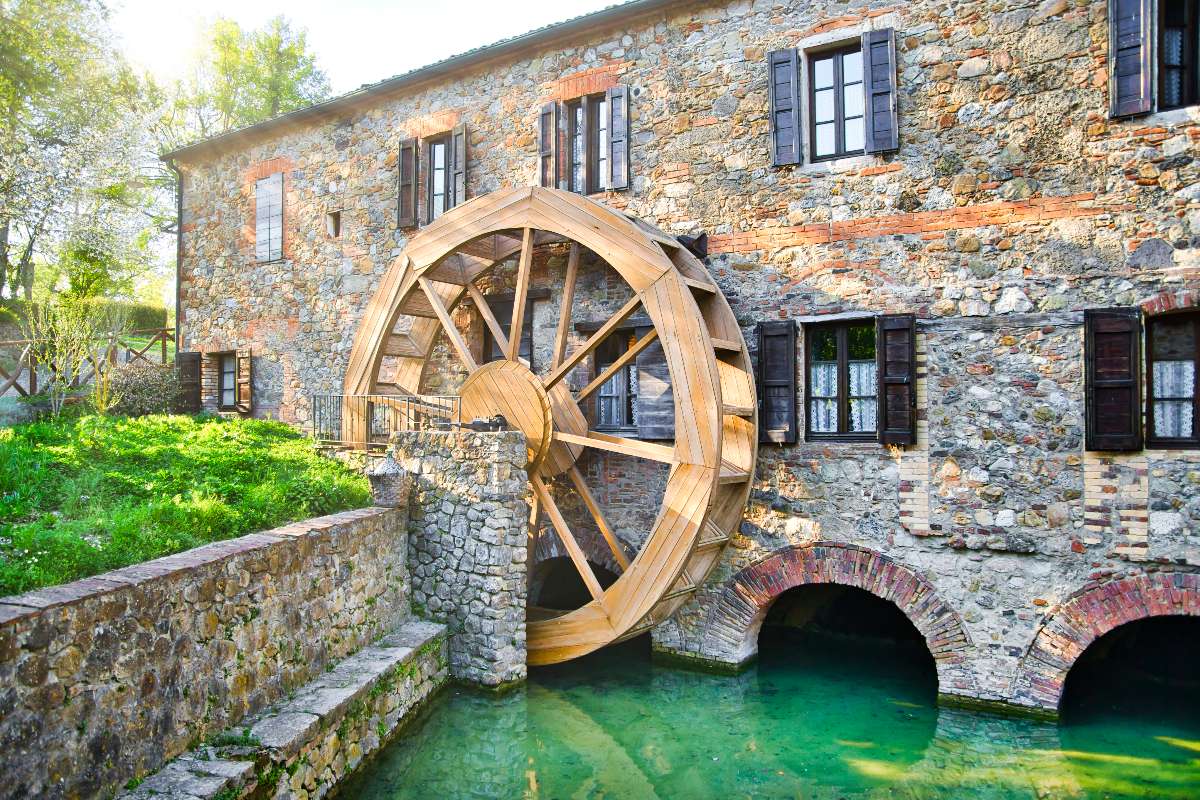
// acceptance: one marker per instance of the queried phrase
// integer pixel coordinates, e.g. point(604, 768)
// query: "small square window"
point(1171, 356)
point(842, 380)
point(333, 224)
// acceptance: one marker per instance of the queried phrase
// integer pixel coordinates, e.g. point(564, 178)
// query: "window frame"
point(222, 386)
point(272, 256)
point(445, 142)
point(1191, 56)
point(838, 52)
point(843, 371)
point(628, 425)
point(1153, 441)
point(592, 110)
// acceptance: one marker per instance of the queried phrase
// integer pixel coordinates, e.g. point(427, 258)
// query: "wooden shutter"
point(879, 86)
point(244, 386)
point(655, 400)
point(458, 166)
point(1129, 52)
point(896, 356)
point(548, 145)
point(618, 137)
point(1112, 358)
point(188, 364)
point(783, 87)
point(777, 382)
point(406, 216)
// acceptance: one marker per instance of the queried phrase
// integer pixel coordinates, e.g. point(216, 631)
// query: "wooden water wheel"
point(712, 458)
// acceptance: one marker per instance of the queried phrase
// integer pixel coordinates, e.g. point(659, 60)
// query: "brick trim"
point(1170, 300)
point(434, 124)
point(734, 621)
point(590, 81)
point(846, 21)
point(1087, 615)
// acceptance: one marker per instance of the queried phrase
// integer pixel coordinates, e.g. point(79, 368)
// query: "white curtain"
point(1173, 418)
point(823, 384)
point(862, 395)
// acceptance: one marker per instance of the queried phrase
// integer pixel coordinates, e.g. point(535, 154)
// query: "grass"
point(83, 495)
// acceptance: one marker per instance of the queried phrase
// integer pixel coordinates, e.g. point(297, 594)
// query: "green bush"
point(141, 388)
point(83, 495)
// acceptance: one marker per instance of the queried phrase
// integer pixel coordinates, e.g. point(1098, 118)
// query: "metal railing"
point(369, 420)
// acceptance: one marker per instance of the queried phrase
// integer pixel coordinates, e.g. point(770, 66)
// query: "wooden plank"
point(568, 539)
point(443, 316)
point(737, 411)
point(728, 345)
point(402, 345)
point(619, 444)
point(732, 474)
point(594, 341)
point(568, 301)
point(630, 354)
point(601, 523)
point(704, 287)
point(485, 311)
point(522, 295)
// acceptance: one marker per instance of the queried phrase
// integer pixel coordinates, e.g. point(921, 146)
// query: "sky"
point(355, 41)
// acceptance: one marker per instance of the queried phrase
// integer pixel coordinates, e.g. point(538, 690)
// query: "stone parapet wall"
point(469, 532)
point(105, 679)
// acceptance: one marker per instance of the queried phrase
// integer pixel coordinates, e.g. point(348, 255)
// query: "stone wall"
point(1013, 204)
point(469, 529)
point(105, 679)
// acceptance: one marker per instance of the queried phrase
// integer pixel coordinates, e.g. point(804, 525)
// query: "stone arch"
point(731, 630)
point(1087, 615)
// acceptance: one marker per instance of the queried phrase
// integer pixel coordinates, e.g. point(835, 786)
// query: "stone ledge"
point(301, 747)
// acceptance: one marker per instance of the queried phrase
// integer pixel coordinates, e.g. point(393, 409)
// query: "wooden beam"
point(568, 539)
point(522, 292)
point(620, 444)
point(598, 515)
point(613, 368)
point(485, 311)
point(593, 341)
point(443, 316)
point(568, 300)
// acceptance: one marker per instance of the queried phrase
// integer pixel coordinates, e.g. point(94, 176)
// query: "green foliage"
point(139, 389)
point(138, 316)
point(83, 495)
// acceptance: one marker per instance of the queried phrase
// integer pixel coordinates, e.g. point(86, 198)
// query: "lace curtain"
point(1173, 418)
point(862, 396)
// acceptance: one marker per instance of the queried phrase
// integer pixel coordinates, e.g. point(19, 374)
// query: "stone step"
point(310, 742)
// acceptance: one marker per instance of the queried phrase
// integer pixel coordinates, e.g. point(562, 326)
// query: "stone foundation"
point(469, 522)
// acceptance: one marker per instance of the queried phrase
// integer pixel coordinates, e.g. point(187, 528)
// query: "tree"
point(63, 336)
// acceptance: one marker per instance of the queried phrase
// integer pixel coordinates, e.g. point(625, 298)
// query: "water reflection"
point(815, 721)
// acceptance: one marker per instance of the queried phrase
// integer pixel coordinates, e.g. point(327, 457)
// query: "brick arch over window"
point(732, 627)
point(1089, 614)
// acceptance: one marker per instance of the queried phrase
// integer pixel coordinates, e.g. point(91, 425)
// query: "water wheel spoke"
point(448, 326)
point(598, 515)
point(620, 444)
point(615, 367)
point(594, 341)
point(522, 294)
point(568, 300)
point(489, 319)
point(568, 538)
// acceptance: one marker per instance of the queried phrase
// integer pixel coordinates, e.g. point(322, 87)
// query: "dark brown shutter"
point(406, 216)
point(879, 86)
point(458, 166)
point(896, 356)
point(188, 364)
point(783, 87)
point(244, 385)
point(618, 137)
point(777, 382)
point(655, 400)
point(548, 145)
point(1112, 355)
point(1129, 52)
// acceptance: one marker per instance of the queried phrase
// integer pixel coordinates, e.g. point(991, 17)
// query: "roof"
point(438, 69)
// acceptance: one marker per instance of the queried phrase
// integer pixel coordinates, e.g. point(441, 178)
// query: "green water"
point(810, 720)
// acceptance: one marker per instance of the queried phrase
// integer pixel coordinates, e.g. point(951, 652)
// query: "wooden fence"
point(20, 372)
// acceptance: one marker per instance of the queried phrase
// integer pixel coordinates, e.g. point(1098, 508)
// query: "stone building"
point(1013, 185)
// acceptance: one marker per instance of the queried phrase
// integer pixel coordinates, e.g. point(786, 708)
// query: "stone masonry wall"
point(469, 528)
point(105, 679)
point(1013, 204)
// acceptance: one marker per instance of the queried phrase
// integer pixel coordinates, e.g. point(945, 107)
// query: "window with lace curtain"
point(1171, 357)
point(1178, 68)
point(842, 380)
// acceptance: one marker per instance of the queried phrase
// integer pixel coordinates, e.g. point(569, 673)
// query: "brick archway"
point(1089, 614)
point(731, 630)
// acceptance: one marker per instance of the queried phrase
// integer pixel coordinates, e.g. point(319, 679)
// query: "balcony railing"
point(367, 421)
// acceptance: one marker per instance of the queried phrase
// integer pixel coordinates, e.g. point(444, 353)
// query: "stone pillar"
point(468, 529)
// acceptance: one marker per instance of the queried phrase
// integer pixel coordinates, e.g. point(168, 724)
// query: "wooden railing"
point(20, 372)
point(367, 421)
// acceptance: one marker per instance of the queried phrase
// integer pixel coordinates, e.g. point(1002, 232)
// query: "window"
point(333, 224)
point(842, 380)
point(1112, 383)
point(1171, 349)
point(587, 131)
point(502, 309)
point(227, 382)
point(439, 189)
point(591, 148)
point(616, 399)
point(836, 103)
point(1177, 53)
point(268, 218)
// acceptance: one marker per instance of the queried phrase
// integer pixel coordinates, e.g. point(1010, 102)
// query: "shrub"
point(141, 388)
